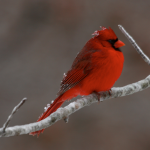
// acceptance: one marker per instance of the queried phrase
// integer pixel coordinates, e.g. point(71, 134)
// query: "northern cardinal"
point(96, 68)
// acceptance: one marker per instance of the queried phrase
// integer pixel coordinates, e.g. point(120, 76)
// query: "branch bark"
point(65, 112)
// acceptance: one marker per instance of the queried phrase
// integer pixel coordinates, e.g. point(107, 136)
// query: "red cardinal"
point(96, 68)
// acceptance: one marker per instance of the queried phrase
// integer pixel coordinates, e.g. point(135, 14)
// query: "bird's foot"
point(98, 95)
point(110, 92)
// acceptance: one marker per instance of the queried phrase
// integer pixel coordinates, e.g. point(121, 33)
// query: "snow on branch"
point(63, 113)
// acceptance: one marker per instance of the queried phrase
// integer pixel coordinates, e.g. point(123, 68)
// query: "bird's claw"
point(98, 95)
point(110, 92)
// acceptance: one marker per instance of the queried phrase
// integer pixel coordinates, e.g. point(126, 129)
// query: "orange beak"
point(119, 44)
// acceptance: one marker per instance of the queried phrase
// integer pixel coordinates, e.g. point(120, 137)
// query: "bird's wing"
point(81, 67)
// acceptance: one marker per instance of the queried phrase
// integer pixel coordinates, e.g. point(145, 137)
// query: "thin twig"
point(134, 44)
point(12, 113)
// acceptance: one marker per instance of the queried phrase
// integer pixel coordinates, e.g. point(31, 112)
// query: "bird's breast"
point(106, 69)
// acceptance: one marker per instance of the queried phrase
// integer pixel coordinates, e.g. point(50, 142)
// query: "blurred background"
point(39, 40)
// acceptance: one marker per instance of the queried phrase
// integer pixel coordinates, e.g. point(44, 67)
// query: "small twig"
point(134, 44)
point(12, 113)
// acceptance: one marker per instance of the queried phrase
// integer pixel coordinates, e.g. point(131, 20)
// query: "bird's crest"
point(104, 33)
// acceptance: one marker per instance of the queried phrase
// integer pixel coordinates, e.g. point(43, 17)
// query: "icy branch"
point(132, 41)
point(12, 113)
point(64, 113)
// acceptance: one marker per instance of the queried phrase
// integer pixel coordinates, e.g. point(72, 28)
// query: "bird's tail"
point(49, 110)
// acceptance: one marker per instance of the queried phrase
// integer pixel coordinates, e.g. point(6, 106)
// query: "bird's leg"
point(110, 92)
point(98, 95)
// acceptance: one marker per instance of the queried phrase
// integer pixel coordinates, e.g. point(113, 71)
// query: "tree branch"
point(132, 41)
point(12, 113)
point(62, 113)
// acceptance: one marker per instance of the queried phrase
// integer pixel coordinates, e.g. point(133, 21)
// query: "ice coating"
point(103, 28)
point(96, 33)
point(45, 108)
point(64, 75)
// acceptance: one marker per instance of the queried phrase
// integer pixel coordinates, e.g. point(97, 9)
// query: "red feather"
point(96, 68)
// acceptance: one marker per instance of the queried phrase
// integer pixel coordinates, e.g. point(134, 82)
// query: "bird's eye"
point(111, 41)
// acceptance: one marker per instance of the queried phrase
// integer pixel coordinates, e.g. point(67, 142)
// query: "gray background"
point(39, 40)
